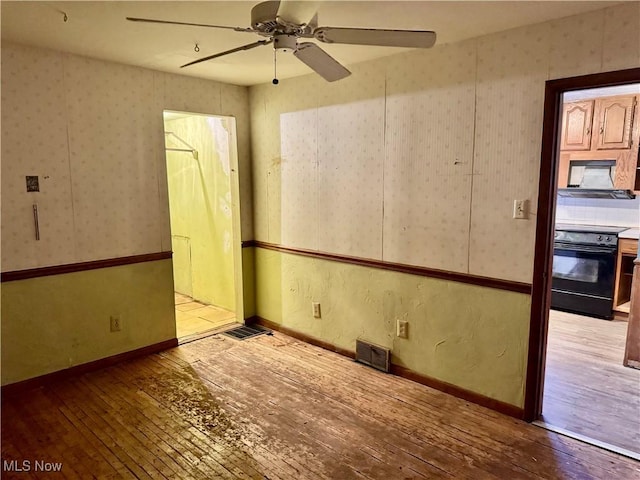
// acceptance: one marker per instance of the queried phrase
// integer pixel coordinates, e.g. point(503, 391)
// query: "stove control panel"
point(586, 238)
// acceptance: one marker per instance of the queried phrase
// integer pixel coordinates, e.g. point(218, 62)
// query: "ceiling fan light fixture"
point(285, 43)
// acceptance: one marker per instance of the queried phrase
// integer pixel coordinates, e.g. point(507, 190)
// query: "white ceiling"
point(99, 30)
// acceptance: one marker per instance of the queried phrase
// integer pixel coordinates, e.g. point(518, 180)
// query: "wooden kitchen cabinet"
point(627, 253)
point(577, 120)
point(626, 169)
point(612, 122)
point(605, 128)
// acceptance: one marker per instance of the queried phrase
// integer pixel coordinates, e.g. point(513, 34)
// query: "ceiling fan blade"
point(233, 50)
point(296, 11)
point(151, 20)
point(379, 37)
point(320, 61)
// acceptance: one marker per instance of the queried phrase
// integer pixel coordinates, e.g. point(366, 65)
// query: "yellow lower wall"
point(56, 322)
point(470, 336)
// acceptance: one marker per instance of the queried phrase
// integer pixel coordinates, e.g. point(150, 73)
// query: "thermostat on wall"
point(32, 183)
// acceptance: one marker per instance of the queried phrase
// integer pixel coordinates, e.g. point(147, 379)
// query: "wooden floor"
point(587, 389)
point(272, 407)
point(194, 318)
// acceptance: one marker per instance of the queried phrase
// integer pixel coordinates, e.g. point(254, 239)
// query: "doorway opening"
point(203, 191)
point(576, 381)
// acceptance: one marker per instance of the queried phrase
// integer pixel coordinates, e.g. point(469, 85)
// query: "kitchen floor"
point(195, 318)
point(587, 389)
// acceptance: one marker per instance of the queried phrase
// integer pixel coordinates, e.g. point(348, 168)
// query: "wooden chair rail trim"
point(32, 383)
point(477, 280)
point(82, 266)
point(400, 371)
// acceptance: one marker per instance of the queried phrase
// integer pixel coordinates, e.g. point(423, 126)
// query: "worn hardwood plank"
point(274, 408)
point(587, 389)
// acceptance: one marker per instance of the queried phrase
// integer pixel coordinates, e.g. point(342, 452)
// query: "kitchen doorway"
point(578, 356)
point(203, 190)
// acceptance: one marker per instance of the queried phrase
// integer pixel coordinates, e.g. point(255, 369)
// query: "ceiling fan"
point(283, 26)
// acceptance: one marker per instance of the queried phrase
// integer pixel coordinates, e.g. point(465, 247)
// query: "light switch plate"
point(520, 209)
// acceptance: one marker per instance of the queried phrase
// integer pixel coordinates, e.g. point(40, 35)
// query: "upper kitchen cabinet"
point(613, 118)
point(599, 144)
point(576, 125)
point(601, 124)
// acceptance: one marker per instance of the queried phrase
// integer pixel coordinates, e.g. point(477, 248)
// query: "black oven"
point(584, 267)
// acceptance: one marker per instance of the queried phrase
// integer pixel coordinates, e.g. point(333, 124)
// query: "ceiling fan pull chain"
point(275, 80)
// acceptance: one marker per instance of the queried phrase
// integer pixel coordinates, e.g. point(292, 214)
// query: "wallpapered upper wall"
point(93, 133)
point(429, 146)
point(417, 158)
point(33, 93)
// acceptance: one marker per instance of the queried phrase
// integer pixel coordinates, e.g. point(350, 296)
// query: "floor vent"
point(372, 355)
point(246, 331)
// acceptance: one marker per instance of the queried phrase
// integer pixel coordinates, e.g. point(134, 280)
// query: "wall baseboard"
point(32, 383)
point(459, 392)
point(300, 336)
point(400, 371)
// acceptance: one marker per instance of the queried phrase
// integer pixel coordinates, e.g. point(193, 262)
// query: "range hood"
point(577, 192)
point(593, 179)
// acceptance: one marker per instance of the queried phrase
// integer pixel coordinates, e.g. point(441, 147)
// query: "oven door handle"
point(580, 248)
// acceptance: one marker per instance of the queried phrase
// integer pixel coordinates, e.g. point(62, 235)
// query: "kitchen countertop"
point(632, 233)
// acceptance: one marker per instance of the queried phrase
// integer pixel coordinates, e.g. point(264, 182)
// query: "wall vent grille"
point(373, 355)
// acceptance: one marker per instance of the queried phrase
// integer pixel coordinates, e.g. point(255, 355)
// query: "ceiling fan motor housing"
point(263, 18)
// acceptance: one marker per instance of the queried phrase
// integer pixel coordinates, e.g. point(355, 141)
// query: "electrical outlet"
point(316, 309)
point(116, 324)
point(520, 209)
point(402, 329)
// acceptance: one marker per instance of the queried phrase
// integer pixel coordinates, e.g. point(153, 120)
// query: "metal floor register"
point(247, 331)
